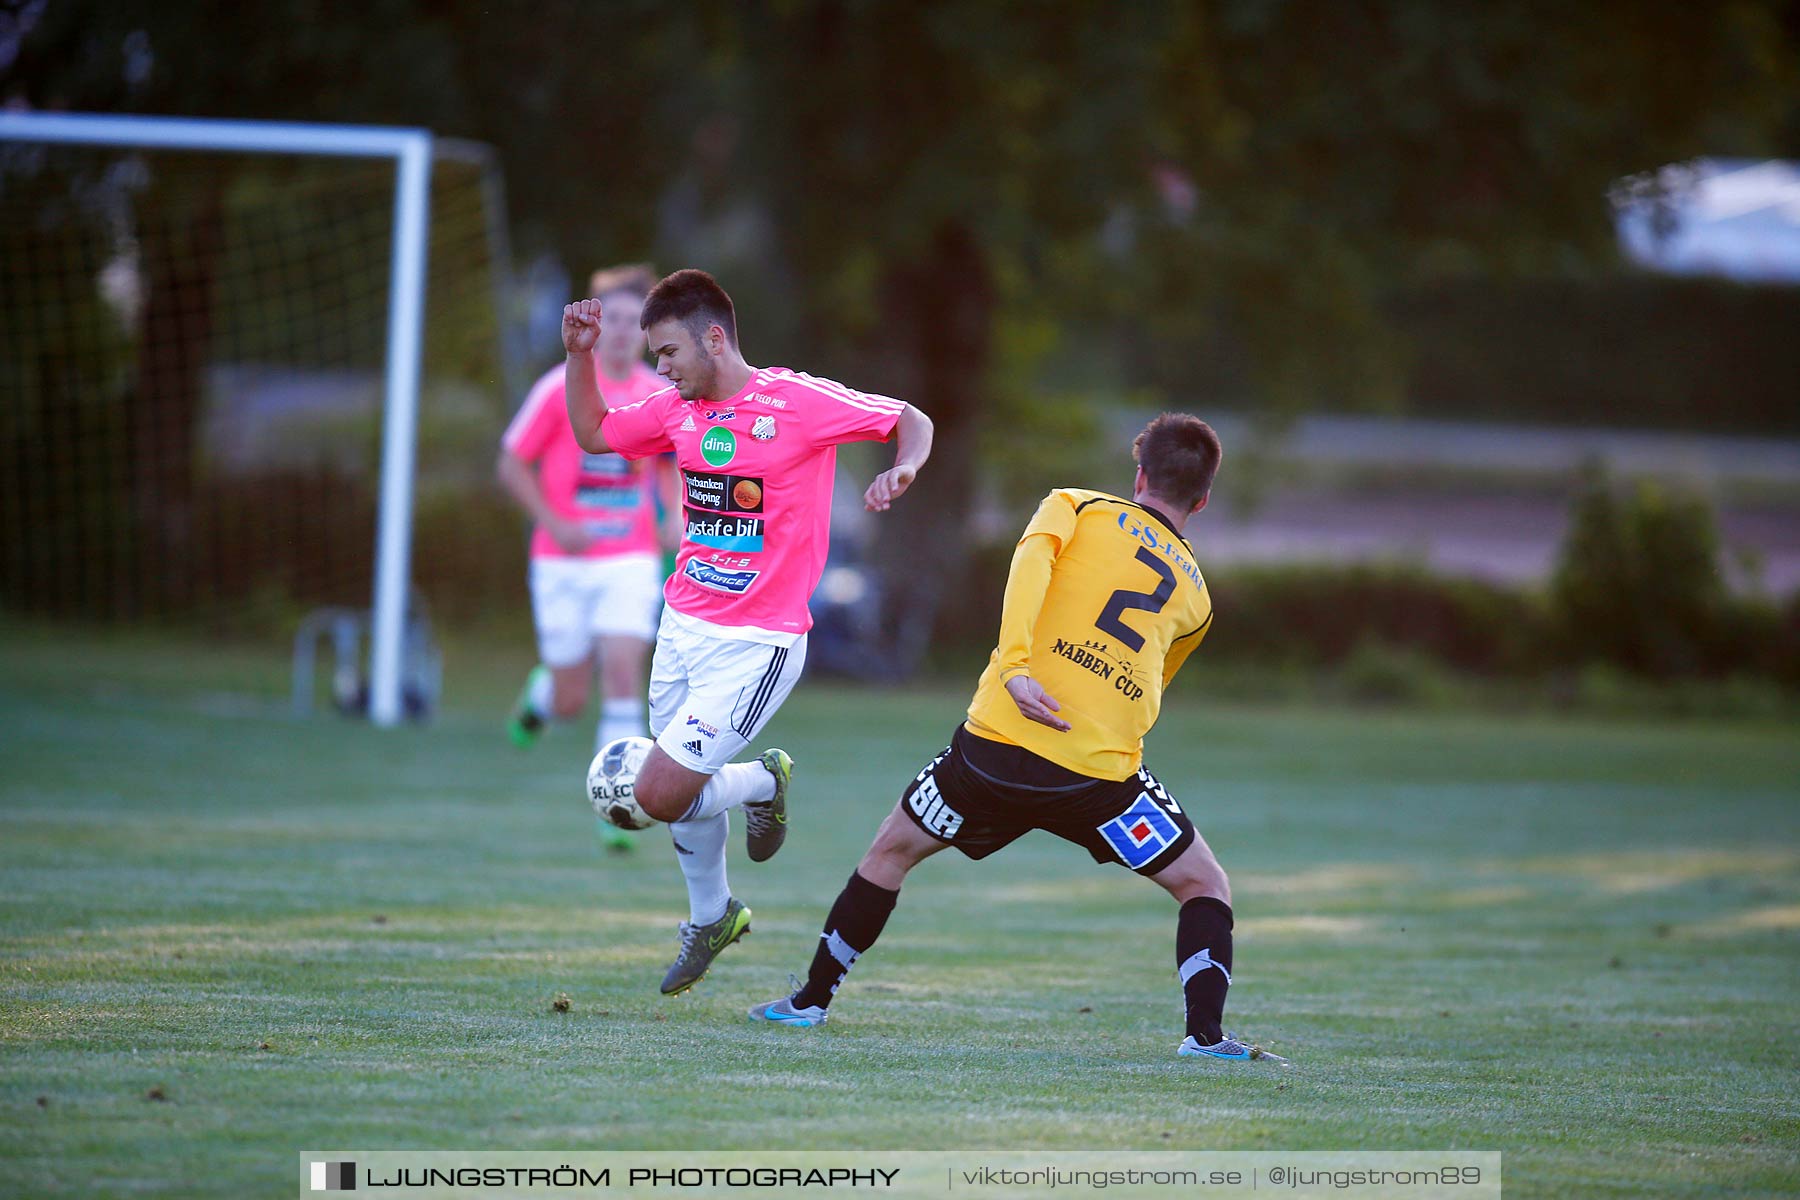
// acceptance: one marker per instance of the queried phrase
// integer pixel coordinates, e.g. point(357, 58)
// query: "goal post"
point(411, 152)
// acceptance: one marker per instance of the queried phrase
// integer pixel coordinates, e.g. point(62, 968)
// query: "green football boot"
point(765, 823)
point(526, 723)
point(612, 838)
point(700, 944)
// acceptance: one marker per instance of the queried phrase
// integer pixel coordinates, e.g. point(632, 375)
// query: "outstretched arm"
point(581, 381)
point(912, 438)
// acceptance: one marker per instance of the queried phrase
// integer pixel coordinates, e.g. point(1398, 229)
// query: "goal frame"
point(411, 151)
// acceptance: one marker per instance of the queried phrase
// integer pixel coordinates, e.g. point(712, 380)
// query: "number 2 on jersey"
point(1109, 620)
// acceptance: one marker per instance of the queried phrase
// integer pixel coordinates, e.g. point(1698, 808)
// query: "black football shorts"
point(980, 796)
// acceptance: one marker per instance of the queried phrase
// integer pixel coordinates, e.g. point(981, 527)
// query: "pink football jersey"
point(614, 500)
point(757, 471)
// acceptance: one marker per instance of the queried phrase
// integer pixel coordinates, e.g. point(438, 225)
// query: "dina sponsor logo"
point(718, 447)
point(726, 532)
point(717, 579)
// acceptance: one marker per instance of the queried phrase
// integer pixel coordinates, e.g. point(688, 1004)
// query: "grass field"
point(226, 936)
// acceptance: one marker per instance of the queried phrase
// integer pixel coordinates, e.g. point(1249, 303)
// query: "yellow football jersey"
point(1103, 604)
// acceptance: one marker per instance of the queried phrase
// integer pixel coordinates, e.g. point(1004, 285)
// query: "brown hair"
point(636, 278)
point(696, 300)
point(1180, 455)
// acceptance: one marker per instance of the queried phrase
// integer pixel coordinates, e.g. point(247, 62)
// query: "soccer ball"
point(612, 778)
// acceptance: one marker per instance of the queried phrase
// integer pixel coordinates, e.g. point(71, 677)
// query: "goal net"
point(194, 353)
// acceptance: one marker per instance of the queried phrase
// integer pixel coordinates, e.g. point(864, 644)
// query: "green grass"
point(1577, 943)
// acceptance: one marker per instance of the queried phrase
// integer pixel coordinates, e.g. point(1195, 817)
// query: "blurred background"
point(1496, 308)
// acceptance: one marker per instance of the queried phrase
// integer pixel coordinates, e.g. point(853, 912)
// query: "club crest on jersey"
point(763, 429)
point(1140, 833)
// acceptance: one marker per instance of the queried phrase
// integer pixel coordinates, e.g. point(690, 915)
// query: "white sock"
point(703, 865)
point(618, 719)
point(735, 784)
point(542, 695)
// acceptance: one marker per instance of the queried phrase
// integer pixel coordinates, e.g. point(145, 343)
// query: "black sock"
point(855, 921)
point(1203, 956)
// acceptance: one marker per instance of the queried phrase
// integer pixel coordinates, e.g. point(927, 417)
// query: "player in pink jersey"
point(596, 573)
point(757, 451)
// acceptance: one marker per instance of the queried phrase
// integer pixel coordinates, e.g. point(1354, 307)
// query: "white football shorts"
point(575, 600)
point(711, 694)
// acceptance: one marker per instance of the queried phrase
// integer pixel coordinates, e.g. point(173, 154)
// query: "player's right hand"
point(570, 536)
point(581, 326)
point(1035, 704)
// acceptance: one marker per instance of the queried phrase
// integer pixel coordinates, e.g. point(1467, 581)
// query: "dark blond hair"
point(636, 278)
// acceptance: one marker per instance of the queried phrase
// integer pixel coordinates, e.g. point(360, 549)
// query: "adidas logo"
point(692, 747)
point(687, 424)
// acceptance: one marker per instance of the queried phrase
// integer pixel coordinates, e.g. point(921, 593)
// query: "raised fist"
point(581, 326)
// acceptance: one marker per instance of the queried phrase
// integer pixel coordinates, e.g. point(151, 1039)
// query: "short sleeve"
point(839, 414)
point(535, 426)
point(637, 430)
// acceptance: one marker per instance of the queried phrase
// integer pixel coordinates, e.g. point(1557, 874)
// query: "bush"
point(1321, 615)
point(1378, 673)
point(1637, 584)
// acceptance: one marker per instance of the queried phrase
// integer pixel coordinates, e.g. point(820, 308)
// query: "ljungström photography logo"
point(334, 1177)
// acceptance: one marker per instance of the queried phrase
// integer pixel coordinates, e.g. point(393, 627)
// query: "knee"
point(892, 854)
point(619, 679)
point(1218, 884)
point(883, 859)
point(1199, 875)
point(663, 793)
point(662, 802)
point(568, 700)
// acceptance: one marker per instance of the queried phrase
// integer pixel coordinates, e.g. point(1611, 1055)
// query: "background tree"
point(999, 210)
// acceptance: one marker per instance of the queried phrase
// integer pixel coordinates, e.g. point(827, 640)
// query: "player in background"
point(1103, 604)
point(596, 570)
point(757, 449)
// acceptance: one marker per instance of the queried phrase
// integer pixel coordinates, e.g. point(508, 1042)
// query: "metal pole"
point(399, 433)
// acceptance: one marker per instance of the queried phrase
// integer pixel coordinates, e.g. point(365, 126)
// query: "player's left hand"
point(1035, 704)
point(888, 487)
